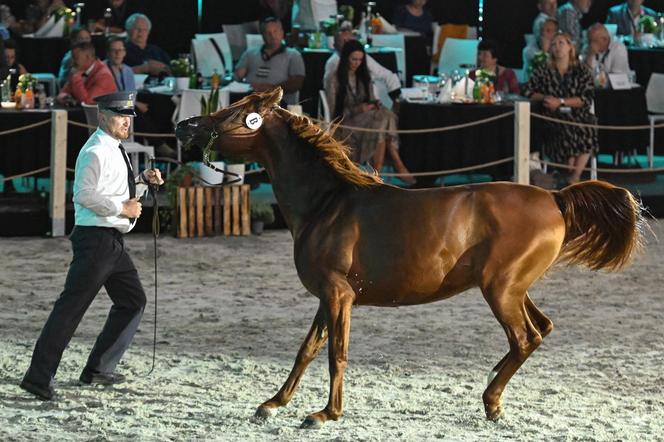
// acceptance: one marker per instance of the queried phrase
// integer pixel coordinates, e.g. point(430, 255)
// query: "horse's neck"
point(302, 182)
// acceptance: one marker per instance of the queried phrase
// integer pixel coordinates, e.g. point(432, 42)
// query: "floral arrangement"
point(540, 58)
point(65, 12)
point(483, 90)
point(181, 67)
point(25, 81)
point(647, 24)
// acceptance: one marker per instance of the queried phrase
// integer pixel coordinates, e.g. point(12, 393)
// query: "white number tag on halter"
point(253, 121)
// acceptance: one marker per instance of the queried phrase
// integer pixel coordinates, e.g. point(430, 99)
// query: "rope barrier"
point(418, 131)
point(451, 171)
point(29, 126)
point(594, 126)
point(33, 172)
point(140, 134)
point(603, 169)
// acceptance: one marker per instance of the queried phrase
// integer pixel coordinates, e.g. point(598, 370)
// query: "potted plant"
point(647, 28)
point(180, 177)
point(181, 69)
point(261, 214)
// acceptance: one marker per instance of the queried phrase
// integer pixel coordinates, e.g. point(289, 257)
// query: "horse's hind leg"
point(508, 305)
point(538, 319)
point(310, 347)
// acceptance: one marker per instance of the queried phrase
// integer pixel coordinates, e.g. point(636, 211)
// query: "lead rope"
point(155, 234)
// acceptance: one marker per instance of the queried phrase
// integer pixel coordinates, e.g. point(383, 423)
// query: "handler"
point(106, 206)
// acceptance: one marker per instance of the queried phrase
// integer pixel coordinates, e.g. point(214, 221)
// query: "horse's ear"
point(272, 98)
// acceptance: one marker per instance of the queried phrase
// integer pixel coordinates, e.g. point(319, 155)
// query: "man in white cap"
point(106, 206)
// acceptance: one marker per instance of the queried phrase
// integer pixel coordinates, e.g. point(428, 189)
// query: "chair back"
point(323, 9)
point(237, 36)
point(91, 117)
point(323, 107)
point(446, 31)
point(254, 41)
point(49, 81)
point(212, 51)
point(394, 41)
point(612, 28)
point(655, 93)
point(529, 39)
point(381, 93)
point(457, 52)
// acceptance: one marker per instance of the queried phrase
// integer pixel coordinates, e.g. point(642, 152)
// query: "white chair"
point(612, 28)
point(529, 39)
point(381, 92)
point(323, 108)
point(237, 36)
point(457, 52)
point(254, 41)
point(323, 9)
point(208, 58)
point(394, 41)
point(655, 103)
point(520, 75)
point(132, 148)
point(49, 81)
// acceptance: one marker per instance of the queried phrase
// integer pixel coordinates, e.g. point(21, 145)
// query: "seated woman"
point(414, 16)
point(539, 49)
point(16, 68)
point(350, 96)
point(565, 87)
point(487, 60)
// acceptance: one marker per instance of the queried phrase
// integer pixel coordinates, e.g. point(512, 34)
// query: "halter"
point(206, 160)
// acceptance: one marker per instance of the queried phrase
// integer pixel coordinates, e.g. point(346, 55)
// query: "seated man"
point(89, 77)
point(569, 19)
point(547, 10)
point(602, 53)
point(376, 70)
point(142, 57)
point(626, 16)
point(273, 64)
point(541, 45)
point(12, 63)
point(77, 35)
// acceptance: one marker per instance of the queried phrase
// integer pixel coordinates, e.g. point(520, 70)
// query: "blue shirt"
point(137, 56)
point(124, 80)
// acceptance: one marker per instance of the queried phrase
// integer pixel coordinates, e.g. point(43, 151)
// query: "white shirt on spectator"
point(100, 184)
point(614, 60)
point(376, 71)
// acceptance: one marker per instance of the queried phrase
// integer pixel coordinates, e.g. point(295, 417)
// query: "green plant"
point(211, 104)
point(647, 24)
point(25, 81)
point(539, 59)
point(180, 177)
point(180, 67)
point(262, 211)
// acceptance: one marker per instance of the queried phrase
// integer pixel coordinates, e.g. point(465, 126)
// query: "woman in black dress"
point(566, 89)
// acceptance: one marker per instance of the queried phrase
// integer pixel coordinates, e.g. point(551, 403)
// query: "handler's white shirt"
point(100, 184)
point(376, 70)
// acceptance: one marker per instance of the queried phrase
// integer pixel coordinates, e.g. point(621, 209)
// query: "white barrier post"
point(58, 171)
point(522, 142)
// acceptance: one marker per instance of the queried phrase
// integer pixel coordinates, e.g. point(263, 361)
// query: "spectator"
point(350, 96)
point(78, 35)
point(12, 63)
point(547, 11)
point(565, 87)
point(626, 16)
point(273, 64)
point(89, 77)
point(541, 45)
point(414, 16)
point(143, 57)
point(569, 19)
point(303, 12)
point(4, 67)
point(37, 13)
point(487, 60)
point(120, 11)
point(376, 70)
point(604, 54)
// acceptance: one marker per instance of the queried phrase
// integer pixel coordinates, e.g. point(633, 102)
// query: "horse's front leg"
point(339, 305)
point(307, 353)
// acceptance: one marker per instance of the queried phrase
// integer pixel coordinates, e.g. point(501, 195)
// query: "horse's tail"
point(603, 225)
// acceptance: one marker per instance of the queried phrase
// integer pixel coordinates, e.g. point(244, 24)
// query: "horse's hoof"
point(264, 413)
point(311, 423)
point(495, 413)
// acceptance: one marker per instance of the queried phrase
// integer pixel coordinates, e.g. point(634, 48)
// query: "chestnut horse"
point(358, 241)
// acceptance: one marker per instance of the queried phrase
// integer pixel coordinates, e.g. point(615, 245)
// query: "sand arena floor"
point(232, 314)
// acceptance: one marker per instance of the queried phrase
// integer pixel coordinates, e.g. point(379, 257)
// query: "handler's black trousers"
point(100, 259)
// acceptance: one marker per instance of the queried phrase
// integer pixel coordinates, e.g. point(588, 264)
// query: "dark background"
point(176, 21)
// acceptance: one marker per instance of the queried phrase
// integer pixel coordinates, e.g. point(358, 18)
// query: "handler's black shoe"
point(44, 392)
point(90, 377)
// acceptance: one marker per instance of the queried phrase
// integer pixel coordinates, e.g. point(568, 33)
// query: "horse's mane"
point(335, 153)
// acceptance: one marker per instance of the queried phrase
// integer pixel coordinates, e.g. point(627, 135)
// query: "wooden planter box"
point(211, 211)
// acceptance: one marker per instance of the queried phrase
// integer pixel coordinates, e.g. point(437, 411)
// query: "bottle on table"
point(215, 80)
point(108, 15)
point(41, 96)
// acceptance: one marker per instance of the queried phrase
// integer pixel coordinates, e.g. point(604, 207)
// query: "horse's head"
point(231, 131)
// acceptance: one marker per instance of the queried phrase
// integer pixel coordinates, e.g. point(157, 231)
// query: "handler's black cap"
point(118, 102)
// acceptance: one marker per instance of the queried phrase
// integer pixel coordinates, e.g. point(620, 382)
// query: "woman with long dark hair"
point(351, 97)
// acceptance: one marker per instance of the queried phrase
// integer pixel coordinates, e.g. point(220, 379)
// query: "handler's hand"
point(131, 208)
point(153, 176)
